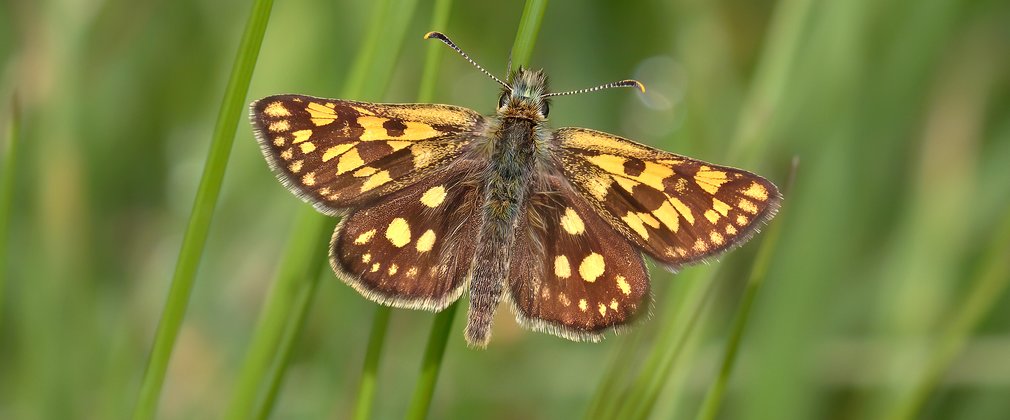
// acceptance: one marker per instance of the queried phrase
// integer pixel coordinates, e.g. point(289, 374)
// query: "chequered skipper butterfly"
point(438, 199)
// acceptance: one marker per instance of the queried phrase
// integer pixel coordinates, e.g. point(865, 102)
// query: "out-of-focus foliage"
point(899, 111)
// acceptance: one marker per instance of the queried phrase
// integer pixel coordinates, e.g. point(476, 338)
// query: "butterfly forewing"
point(414, 248)
point(574, 276)
point(337, 154)
point(677, 209)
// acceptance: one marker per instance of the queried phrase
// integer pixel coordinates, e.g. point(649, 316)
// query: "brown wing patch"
point(677, 209)
point(336, 154)
point(573, 275)
point(414, 249)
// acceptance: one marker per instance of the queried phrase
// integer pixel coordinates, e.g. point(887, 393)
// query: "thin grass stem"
point(232, 108)
point(7, 191)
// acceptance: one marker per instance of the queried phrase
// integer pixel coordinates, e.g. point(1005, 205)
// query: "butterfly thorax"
point(515, 148)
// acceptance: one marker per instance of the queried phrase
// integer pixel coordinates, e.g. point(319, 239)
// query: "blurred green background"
point(892, 247)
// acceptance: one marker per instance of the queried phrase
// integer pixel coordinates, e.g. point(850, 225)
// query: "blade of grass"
point(232, 107)
point(7, 191)
point(370, 369)
point(990, 284)
point(759, 271)
point(294, 288)
point(431, 364)
point(529, 24)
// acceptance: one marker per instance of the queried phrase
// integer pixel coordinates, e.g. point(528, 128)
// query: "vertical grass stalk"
point(7, 192)
point(759, 271)
point(232, 108)
point(990, 284)
point(304, 260)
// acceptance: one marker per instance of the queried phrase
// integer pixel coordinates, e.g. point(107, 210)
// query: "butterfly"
point(438, 200)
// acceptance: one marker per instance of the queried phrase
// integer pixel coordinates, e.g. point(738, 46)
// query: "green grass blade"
point(232, 108)
point(990, 284)
point(441, 327)
point(295, 286)
point(7, 190)
point(370, 370)
point(529, 27)
point(759, 271)
point(429, 79)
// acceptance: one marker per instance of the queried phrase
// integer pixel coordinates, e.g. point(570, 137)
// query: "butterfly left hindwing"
point(337, 154)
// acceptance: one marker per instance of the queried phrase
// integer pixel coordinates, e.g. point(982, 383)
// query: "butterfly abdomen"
point(506, 187)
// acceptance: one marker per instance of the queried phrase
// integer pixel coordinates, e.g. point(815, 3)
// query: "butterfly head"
point(525, 96)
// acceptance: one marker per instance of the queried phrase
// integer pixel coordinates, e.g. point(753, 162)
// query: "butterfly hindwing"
point(414, 248)
point(573, 275)
point(336, 154)
point(678, 210)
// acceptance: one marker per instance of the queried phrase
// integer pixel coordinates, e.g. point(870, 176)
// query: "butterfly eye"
point(545, 108)
point(502, 100)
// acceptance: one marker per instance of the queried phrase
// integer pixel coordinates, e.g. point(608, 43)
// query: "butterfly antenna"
point(441, 37)
point(622, 83)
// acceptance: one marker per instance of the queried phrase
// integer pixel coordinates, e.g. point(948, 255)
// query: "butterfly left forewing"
point(573, 275)
point(678, 210)
point(336, 154)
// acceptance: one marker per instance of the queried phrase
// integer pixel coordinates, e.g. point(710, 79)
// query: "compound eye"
point(502, 100)
point(545, 108)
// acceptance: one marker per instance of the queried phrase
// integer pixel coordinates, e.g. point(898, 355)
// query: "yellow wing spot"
point(668, 216)
point(613, 304)
point(301, 135)
point(637, 222)
point(572, 223)
point(348, 161)
point(287, 154)
point(598, 186)
point(683, 210)
point(654, 174)
point(610, 163)
point(716, 238)
point(622, 283)
point(625, 183)
point(364, 171)
point(279, 141)
point(434, 196)
point(324, 191)
point(373, 128)
point(712, 216)
point(279, 126)
point(426, 242)
point(680, 186)
point(756, 191)
point(747, 206)
point(364, 238)
point(710, 180)
point(742, 220)
point(380, 178)
point(700, 246)
point(592, 267)
point(307, 147)
point(375, 267)
point(680, 251)
point(418, 131)
point(561, 267)
point(545, 293)
point(361, 110)
point(295, 167)
point(398, 145)
point(423, 155)
point(276, 109)
point(720, 206)
point(563, 298)
point(412, 272)
point(309, 179)
point(603, 309)
point(583, 305)
point(366, 258)
point(320, 114)
point(730, 230)
point(398, 232)
point(337, 150)
point(596, 141)
point(393, 269)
